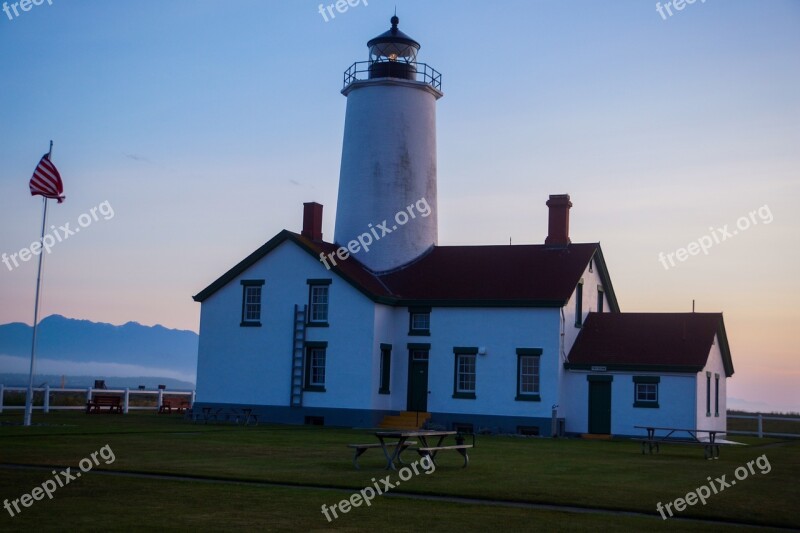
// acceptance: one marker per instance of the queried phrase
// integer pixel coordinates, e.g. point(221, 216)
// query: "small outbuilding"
point(648, 369)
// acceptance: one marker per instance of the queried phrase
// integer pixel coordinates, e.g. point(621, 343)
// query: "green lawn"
point(595, 474)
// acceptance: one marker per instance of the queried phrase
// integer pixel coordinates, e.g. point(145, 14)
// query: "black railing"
point(364, 70)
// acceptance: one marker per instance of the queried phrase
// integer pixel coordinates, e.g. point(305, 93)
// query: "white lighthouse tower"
point(389, 152)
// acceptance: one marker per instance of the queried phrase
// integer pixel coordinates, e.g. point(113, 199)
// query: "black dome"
point(394, 36)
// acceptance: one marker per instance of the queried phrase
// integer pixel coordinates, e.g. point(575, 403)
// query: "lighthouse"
point(389, 153)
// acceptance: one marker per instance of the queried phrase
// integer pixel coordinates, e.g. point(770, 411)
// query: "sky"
point(196, 130)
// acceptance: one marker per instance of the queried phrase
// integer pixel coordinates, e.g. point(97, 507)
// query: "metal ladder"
point(298, 349)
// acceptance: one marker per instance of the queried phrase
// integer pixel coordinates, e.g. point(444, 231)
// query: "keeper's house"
point(400, 330)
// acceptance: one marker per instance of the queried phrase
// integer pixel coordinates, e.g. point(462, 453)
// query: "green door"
point(418, 381)
point(600, 407)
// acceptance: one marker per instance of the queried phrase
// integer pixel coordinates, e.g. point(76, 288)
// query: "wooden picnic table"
point(402, 436)
point(710, 447)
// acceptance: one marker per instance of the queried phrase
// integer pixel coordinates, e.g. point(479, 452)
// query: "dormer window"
point(419, 321)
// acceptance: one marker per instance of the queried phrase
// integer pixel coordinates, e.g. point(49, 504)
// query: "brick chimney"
point(558, 220)
point(312, 221)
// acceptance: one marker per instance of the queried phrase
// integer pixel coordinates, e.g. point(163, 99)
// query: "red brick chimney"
point(312, 221)
point(558, 220)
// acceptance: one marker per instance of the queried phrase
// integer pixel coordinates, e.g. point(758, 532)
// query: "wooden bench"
point(100, 400)
point(179, 404)
point(433, 450)
point(361, 448)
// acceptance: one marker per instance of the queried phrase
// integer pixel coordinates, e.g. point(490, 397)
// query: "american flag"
point(46, 180)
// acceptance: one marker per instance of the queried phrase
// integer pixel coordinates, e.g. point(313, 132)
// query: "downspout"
point(554, 428)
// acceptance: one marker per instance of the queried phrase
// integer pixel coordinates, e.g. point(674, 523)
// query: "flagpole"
point(29, 396)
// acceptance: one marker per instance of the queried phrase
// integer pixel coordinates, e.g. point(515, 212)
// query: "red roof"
point(519, 272)
point(649, 341)
point(528, 275)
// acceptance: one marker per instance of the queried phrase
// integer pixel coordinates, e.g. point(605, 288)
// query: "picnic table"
point(424, 449)
point(710, 446)
point(361, 448)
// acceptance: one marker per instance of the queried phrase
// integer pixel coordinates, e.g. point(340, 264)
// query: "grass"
point(594, 474)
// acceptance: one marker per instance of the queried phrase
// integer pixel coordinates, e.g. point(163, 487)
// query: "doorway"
point(600, 405)
point(418, 380)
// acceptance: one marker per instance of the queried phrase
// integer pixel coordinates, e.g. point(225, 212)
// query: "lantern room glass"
point(393, 51)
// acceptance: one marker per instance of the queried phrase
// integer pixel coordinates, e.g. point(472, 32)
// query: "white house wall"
point(252, 365)
point(591, 280)
point(714, 365)
point(676, 400)
point(391, 324)
point(501, 332)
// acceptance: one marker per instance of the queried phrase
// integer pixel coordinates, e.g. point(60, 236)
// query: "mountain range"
point(67, 345)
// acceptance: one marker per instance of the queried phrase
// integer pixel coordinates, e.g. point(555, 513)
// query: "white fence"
point(760, 430)
point(89, 392)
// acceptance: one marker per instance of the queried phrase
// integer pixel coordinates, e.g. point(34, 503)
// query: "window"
point(419, 320)
point(708, 393)
point(419, 354)
point(645, 391)
point(466, 373)
point(251, 303)
point(528, 374)
point(599, 299)
point(386, 368)
point(464, 386)
point(315, 366)
point(716, 394)
point(579, 305)
point(315, 420)
point(318, 302)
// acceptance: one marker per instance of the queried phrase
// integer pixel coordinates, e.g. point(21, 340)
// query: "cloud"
point(136, 157)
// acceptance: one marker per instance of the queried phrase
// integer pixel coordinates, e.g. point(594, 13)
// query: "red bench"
point(179, 404)
point(99, 401)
